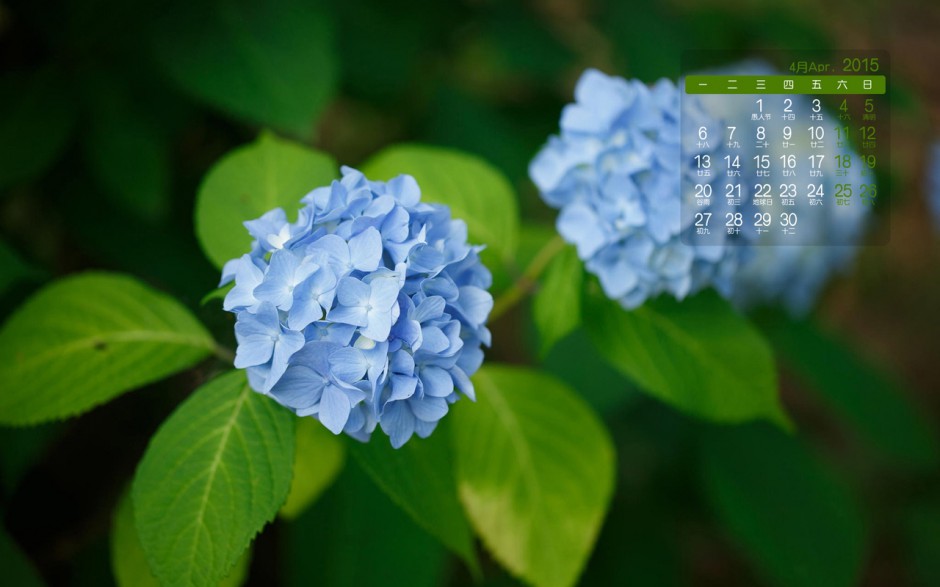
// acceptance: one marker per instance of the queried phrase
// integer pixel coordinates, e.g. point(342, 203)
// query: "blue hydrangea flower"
point(369, 310)
point(614, 174)
point(933, 184)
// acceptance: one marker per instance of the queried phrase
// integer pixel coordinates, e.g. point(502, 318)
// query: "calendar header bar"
point(785, 84)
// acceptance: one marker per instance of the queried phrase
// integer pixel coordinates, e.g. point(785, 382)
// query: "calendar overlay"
point(778, 158)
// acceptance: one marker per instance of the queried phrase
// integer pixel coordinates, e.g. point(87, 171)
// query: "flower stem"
point(526, 282)
point(224, 354)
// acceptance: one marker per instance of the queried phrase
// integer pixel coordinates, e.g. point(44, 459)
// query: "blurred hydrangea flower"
point(933, 184)
point(369, 310)
point(614, 173)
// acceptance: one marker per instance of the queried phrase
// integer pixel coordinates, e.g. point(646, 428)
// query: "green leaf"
point(214, 474)
point(38, 116)
point(85, 339)
point(318, 458)
point(129, 563)
point(792, 516)
point(535, 470)
point(356, 537)
point(858, 389)
point(698, 355)
point(419, 478)
point(250, 181)
point(556, 308)
point(17, 569)
point(575, 361)
point(270, 63)
point(475, 191)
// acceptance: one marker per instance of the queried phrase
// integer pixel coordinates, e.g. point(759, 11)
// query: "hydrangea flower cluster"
point(369, 310)
point(614, 173)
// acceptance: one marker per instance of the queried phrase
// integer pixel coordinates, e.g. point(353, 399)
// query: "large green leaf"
point(214, 474)
point(84, 339)
point(354, 536)
point(250, 181)
point(38, 116)
point(270, 63)
point(129, 563)
point(319, 457)
point(556, 308)
point(798, 523)
point(535, 471)
point(419, 477)
point(859, 390)
point(475, 191)
point(698, 355)
point(575, 361)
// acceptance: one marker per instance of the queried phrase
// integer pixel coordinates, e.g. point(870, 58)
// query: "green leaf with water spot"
point(85, 339)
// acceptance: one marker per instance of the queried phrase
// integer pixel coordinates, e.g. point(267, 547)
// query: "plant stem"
point(526, 282)
point(224, 354)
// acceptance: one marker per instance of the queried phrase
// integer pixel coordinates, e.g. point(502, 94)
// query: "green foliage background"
point(698, 447)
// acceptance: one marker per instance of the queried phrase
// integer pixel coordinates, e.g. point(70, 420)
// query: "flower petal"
point(398, 422)
point(365, 250)
point(334, 409)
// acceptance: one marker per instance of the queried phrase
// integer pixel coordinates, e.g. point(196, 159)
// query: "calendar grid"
point(765, 166)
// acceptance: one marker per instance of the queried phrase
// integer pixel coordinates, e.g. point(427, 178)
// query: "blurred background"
point(111, 112)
